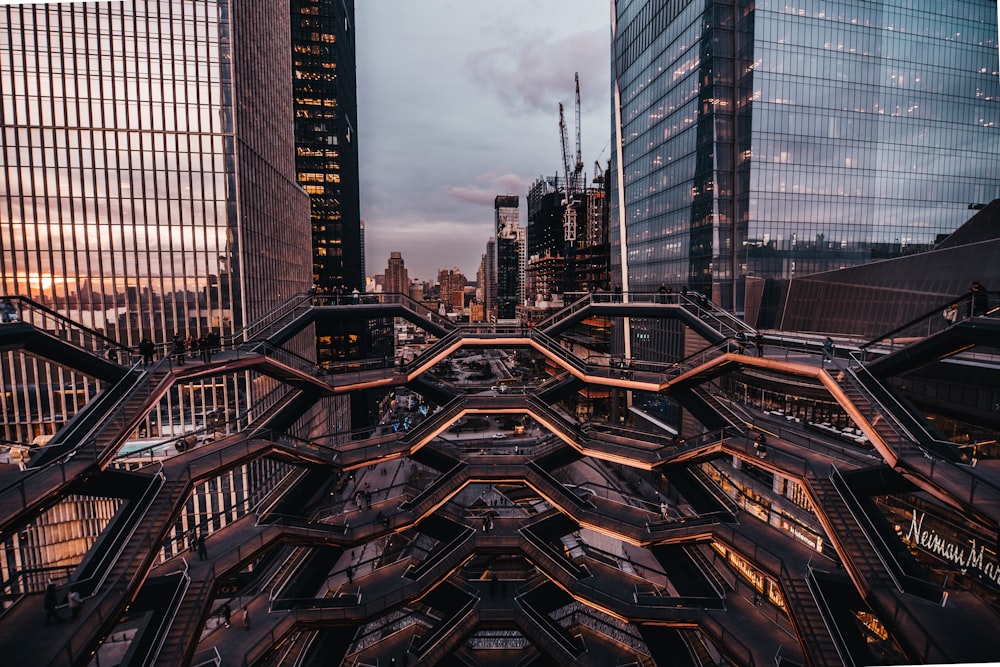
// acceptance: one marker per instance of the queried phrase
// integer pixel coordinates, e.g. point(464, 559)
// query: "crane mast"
point(578, 167)
point(569, 213)
point(565, 152)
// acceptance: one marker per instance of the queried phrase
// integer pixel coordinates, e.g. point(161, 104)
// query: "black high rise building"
point(324, 83)
point(510, 256)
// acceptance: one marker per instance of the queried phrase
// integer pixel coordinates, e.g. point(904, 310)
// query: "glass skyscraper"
point(326, 109)
point(148, 166)
point(510, 250)
point(324, 84)
point(761, 141)
point(148, 189)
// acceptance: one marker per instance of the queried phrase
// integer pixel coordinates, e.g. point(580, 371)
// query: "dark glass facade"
point(764, 140)
point(510, 248)
point(147, 189)
point(324, 84)
point(326, 108)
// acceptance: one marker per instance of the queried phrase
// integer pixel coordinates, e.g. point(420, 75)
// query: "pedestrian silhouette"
point(179, 348)
point(828, 350)
point(979, 299)
point(146, 349)
point(8, 312)
point(75, 602)
point(51, 602)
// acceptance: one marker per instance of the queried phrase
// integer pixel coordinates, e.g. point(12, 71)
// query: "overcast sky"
point(458, 101)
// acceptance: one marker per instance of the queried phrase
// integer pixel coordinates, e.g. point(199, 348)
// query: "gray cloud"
point(534, 73)
point(471, 195)
point(458, 103)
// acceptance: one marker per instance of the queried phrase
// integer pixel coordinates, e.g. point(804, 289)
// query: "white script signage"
point(969, 555)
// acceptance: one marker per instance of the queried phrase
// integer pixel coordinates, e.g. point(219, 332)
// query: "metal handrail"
point(116, 411)
point(439, 554)
point(548, 478)
point(930, 317)
point(103, 567)
point(876, 407)
point(438, 486)
point(108, 606)
point(569, 429)
point(67, 438)
point(544, 622)
point(728, 324)
point(566, 564)
point(267, 320)
point(384, 298)
point(581, 615)
point(430, 351)
point(415, 307)
point(566, 311)
point(88, 444)
point(816, 444)
point(725, 323)
point(442, 629)
point(553, 346)
point(45, 313)
point(207, 657)
point(168, 619)
point(435, 419)
point(873, 535)
point(897, 407)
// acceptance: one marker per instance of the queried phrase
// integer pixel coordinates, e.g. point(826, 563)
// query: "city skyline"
point(450, 118)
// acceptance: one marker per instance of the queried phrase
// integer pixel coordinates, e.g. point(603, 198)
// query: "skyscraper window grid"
point(125, 210)
point(140, 206)
point(325, 98)
point(111, 128)
point(765, 142)
point(510, 255)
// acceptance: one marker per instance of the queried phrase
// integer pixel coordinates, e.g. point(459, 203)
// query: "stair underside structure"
point(550, 535)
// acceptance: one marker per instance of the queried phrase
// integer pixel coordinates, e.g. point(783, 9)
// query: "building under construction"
point(567, 232)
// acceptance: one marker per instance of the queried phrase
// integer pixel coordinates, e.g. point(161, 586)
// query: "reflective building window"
point(770, 140)
point(148, 166)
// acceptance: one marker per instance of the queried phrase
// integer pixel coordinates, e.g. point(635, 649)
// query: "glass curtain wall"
point(119, 165)
point(137, 200)
point(772, 140)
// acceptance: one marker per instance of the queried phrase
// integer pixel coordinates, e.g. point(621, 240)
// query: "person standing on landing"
point(828, 350)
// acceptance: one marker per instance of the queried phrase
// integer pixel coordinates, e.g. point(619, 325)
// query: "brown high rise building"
point(397, 281)
point(452, 289)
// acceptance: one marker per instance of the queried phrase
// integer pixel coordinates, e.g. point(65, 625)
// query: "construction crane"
point(573, 169)
point(578, 167)
point(598, 172)
point(564, 138)
point(569, 213)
